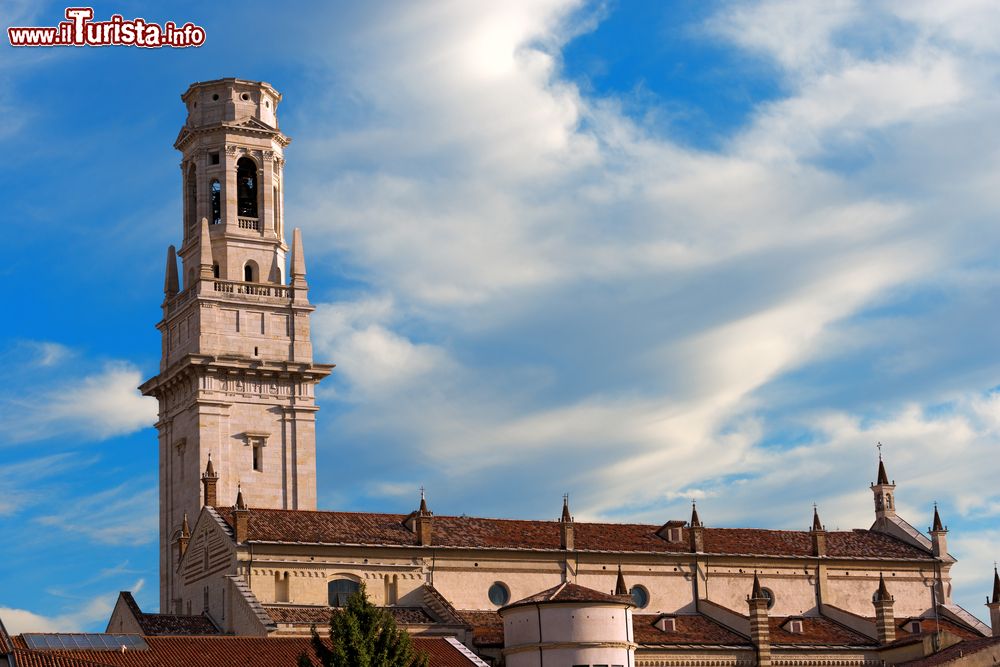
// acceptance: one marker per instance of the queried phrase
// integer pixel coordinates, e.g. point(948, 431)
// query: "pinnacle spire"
point(757, 593)
point(996, 586)
point(423, 502)
point(209, 469)
point(298, 255)
point(817, 525)
point(185, 529)
point(240, 503)
point(695, 521)
point(620, 587)
point(882, 594)
point(937, 526)
point(566, 517)
point(170, 283)
point(205, 250)
point(882, 477)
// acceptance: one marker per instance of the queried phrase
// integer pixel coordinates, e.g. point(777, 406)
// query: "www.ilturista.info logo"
point(81, 30)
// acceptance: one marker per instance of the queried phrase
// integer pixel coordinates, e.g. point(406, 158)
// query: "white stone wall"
point(568, 634)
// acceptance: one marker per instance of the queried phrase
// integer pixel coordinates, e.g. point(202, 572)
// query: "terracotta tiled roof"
point(570, 592)
point(173, 625)
point(214, 652)
point(965, 649)
point(816, 631)
point(487, 627)
point(689, 629)
point(931, 625)
point(270, 525)
point(319, 615)
point(168, 624)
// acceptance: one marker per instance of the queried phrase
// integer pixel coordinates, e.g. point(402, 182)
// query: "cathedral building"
point(244, 550)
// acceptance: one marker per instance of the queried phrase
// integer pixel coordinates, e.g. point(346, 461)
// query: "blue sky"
point(637, 252)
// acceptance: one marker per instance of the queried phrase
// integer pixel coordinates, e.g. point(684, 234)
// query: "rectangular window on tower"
point(256, 442)
point(258, 457)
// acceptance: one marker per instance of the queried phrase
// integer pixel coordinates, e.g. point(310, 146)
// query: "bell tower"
point(237, 378)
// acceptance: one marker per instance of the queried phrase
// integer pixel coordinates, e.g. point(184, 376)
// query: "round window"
point(215, 97)
point(769, 594)
point(499, 595)
point(245, 97)
point(640, 596)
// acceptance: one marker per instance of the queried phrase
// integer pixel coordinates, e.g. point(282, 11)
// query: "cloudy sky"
point(635, 252)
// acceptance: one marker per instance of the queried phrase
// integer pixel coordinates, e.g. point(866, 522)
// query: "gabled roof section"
point(451, 532)
point(570, 592)
point(440, 606)
point(901, 530)
point(816, 631)
point(170, 625)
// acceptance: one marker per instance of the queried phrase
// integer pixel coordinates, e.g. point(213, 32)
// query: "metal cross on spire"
point(878, 445)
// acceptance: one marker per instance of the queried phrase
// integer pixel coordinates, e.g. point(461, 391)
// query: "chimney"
point(697, 532)
point(209, 481)
point(818, 534)
point(939, 536)
point(241, 517)
point(184, 539)
point(424, 522)
point(760, 630)
point(566, 540)
point(885, 623)
point(994, 604)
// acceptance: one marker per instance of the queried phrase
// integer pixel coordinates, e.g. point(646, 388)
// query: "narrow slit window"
point(216, 190)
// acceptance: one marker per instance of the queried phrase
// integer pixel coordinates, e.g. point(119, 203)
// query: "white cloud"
point(99, 405)
point(125, 515)
point(560, 288)
point(91, 612)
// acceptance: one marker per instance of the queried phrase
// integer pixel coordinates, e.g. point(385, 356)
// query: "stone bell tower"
point(237, 377)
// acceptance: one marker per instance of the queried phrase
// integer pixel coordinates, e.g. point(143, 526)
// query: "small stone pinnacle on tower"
point(205, 249)
point(994, 604)
point(696, 534)
point(240, 503)
point(757, 593)
point(937, 526)
point(185, 529)
point(423, 502)
point(620, 587)
point(170, 283)
point(882, 594)
point(209, 469)
point(298, 255)
point(566, 517)
point(817, 525)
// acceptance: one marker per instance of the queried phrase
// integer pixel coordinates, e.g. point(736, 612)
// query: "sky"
point(640, 253)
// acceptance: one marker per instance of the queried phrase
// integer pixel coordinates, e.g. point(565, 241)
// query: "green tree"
point(363, 635)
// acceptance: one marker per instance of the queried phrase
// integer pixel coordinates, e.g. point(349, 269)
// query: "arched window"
point(246, 188)
point(215, 269)
point(250, 272)
point(339, 590)
point(191, 198)
point(216, 189)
